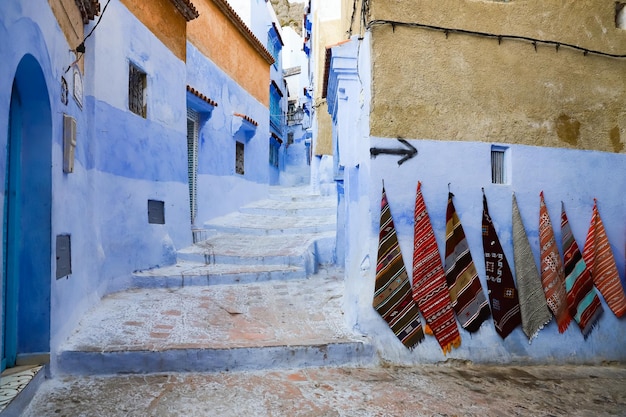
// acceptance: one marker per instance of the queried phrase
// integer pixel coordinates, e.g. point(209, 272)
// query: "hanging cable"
point(352, 18)
point(80, 49)
point(500, 38)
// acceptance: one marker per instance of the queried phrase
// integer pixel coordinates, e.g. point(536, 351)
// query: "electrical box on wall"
point(69, 143)
point(64, 256)
point(156, 212)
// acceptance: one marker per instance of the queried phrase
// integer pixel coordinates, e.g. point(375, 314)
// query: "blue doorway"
point(26, 234)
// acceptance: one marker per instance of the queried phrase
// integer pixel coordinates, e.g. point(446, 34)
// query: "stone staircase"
point(283, 237)
point(257, 291)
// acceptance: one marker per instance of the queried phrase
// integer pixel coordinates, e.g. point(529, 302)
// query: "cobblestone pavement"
point(451, 389)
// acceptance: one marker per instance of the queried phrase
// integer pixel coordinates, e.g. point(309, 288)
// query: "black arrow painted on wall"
point(408, 153)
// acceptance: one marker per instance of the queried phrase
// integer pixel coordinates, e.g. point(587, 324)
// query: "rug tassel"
point(428, 330)
point(565, 324)
point(454, 344)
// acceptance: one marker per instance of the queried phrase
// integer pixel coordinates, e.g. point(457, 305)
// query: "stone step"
point(322, 206)
point(288, 324)
point(291, 250)
point(188, 273)
point(301, 193)
point(242, 223)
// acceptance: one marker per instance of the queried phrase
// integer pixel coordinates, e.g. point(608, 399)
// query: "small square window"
point(137, 82)
point(239, 152)
point(620, 15)
point(499, 165)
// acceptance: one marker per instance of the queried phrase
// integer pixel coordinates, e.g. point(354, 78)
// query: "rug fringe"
point(565, 324)
point(534, 335)
point(454, 344)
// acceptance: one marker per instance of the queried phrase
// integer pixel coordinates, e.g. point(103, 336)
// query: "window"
point(289, 138)
point(291, 112)
point(499, 165)
point(239, 158)
point(274, 146)
point(276, 115)
point(274, 44)
point(192, 161)
point(137, 82)
point(620, 15)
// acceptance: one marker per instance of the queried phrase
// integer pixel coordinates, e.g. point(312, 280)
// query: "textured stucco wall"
point(327, 31)
point(218, 39)
point(164, 21)
point(28, 28)
point(137, 159)
point(119, 162)
point(70, 21)
point(466, 166)
point(470, 88)
point(573, 176)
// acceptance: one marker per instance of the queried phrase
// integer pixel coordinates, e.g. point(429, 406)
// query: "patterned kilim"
point(466, 293)
point(582, 300)
point(599, 258)
point(533, 305)
point(502, 293)
point(430, 289)
point(552, 273)
point(392, 296)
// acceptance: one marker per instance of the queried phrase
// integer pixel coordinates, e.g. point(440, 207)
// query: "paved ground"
point(305, 311)
point(453, 389)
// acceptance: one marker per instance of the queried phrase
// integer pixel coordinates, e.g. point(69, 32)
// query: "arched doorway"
point(26, 237)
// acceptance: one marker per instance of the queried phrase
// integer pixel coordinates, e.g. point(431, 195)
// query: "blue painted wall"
point(24, 30)
point(220, 189)
point(121, 160)
point(572, 176)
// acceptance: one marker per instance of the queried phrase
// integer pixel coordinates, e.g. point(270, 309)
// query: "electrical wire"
point(500, 38)
point(80, 48)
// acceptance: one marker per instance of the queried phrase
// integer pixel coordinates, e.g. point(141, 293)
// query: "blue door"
point(26, 234)
point(10, 230)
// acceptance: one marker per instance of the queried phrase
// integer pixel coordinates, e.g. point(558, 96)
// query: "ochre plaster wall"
point(164, 20)
point(325, 33)
point(472, 89)
point(218, 38)
point(71, 23)
point(324, 143)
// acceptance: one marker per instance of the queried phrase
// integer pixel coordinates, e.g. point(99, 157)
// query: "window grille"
point(289, 138)
point(192, 161)
point(137, 91)
point(239, 163)
point(498, 165)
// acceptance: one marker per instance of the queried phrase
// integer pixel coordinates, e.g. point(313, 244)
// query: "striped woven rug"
point(601, 263)
point(552, 273)
point(392, 294)
point(502, 293)
point(430, 289)
point(466, 293)
point(584, 304)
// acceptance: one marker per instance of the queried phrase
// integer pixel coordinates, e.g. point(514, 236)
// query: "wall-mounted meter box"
point(69, 143)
